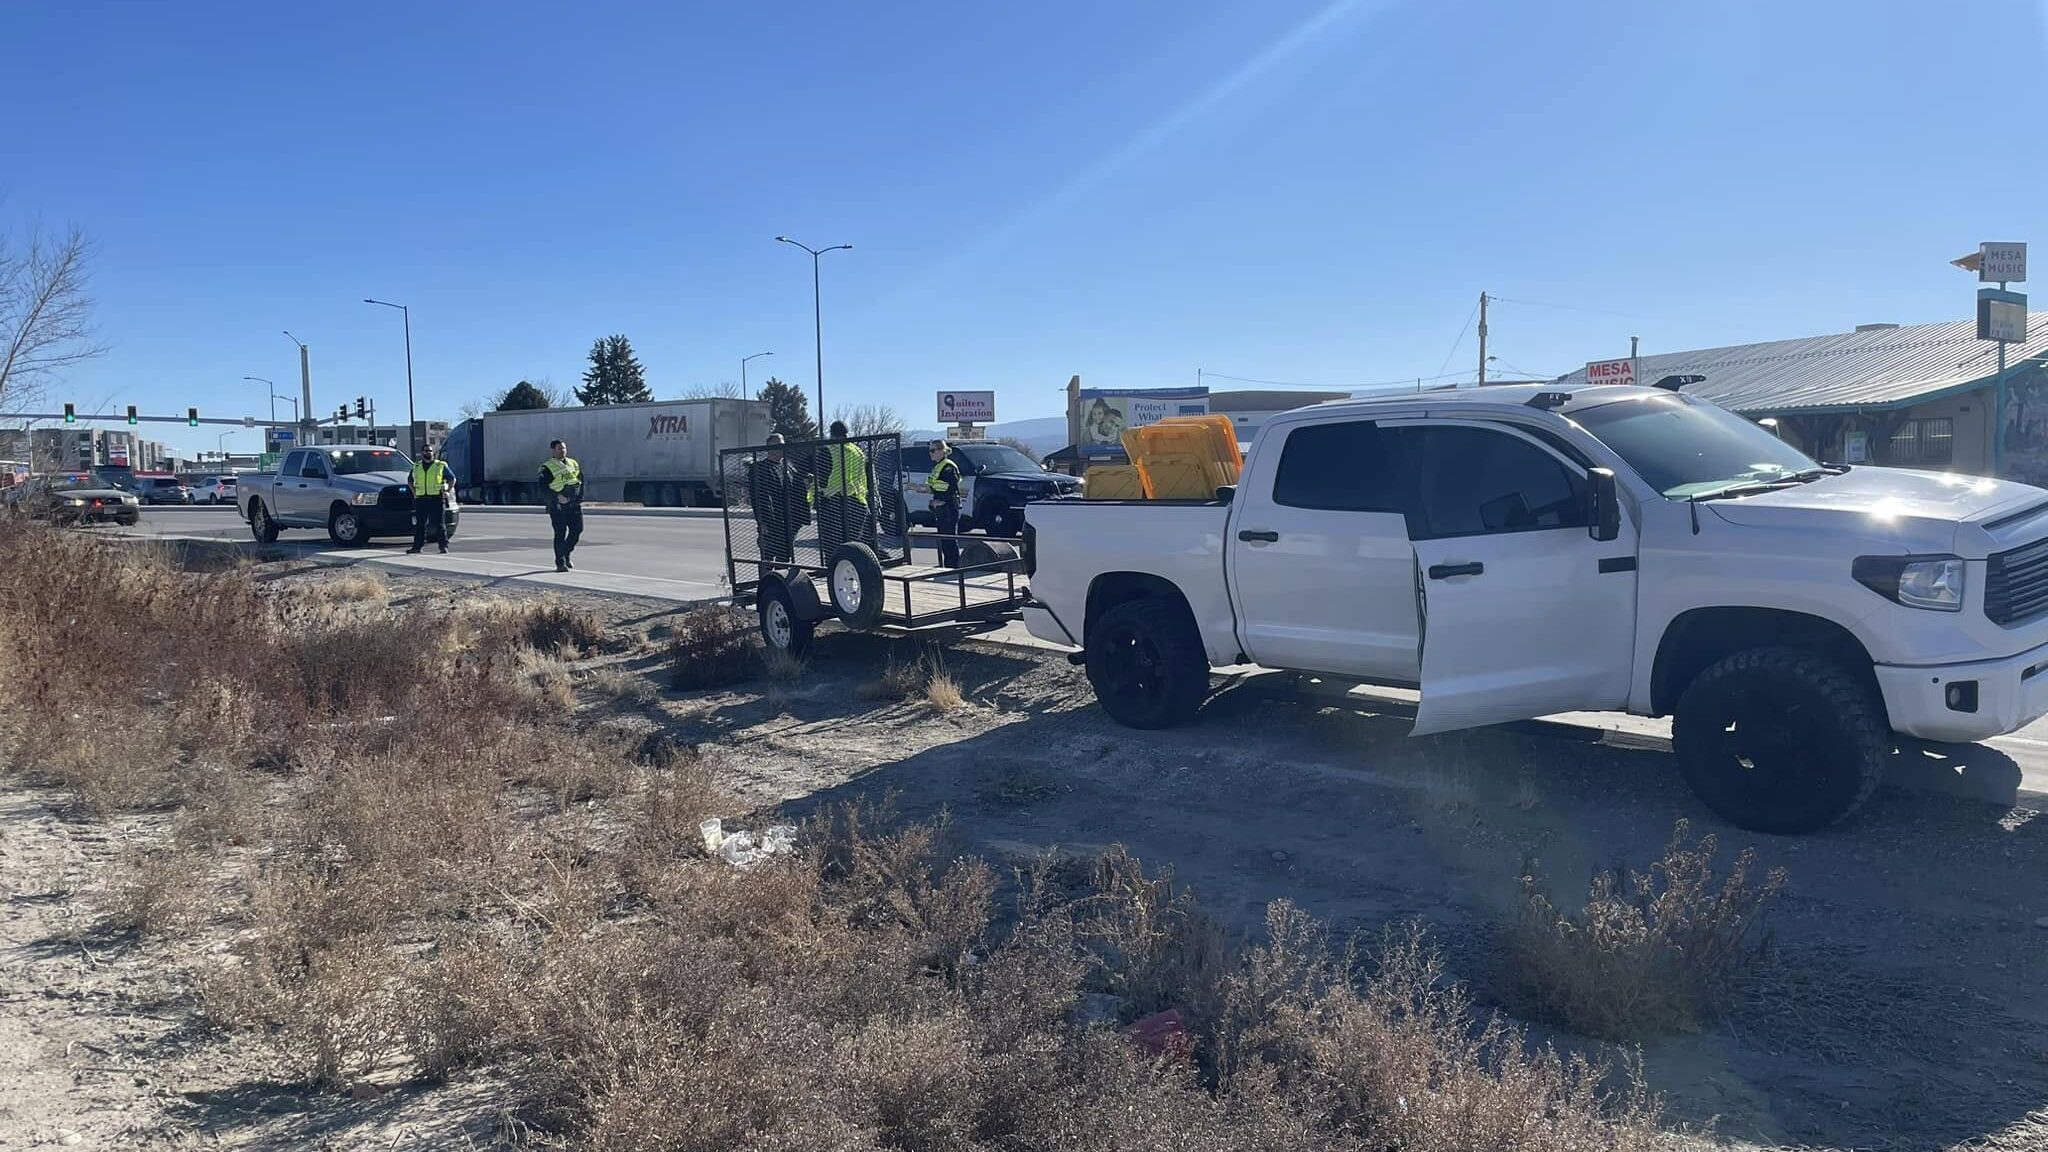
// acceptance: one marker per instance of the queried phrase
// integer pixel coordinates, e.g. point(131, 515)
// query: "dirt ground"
point(1907, 1007)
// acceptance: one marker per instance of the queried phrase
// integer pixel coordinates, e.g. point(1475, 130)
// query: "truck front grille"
point(397, 497)
point(2016, 584)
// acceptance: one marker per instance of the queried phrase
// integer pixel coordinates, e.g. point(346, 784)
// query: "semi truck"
point(662, 454)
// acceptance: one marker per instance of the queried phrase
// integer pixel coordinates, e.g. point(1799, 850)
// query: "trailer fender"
point(803, 594)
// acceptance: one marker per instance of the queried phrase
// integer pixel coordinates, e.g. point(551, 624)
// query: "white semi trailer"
point(662, 454)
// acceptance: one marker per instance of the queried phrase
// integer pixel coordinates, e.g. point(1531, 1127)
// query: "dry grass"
point(923, 679)
point(152, 893)
point(428, 884)
point(1651, 952)
point(712, 647)
point(354, 585)
point(622, 686)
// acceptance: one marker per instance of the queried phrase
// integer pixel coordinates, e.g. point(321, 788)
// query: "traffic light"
point(131, 415)
point(341, 414)
point(192, 417)
point(71, 413)
point(362, 409)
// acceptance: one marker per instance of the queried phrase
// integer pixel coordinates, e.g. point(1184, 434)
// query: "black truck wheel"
point(261, 526)
point(1780, 740)
point(1146, 663)
point(854, 578)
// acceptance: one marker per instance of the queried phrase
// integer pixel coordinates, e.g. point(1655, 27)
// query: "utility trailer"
point(800, 555)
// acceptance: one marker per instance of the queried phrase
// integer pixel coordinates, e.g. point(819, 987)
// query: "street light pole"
point(271, 387)
point(305, 373)
point(817, 314)
point(744, 393)
point(411, 416)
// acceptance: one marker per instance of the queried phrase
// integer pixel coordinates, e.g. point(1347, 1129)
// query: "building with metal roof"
point(1921, 395)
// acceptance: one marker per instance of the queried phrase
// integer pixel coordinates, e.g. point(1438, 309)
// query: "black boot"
point(561, 564)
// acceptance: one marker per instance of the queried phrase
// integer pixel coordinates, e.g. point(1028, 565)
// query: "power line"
point(1570, 308)
point(1460, 341)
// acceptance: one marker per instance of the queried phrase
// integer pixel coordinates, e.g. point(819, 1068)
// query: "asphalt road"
point(679, 555)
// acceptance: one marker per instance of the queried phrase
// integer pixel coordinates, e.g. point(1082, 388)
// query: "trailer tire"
point(1146, 663)
point(991, 555)
point(781, 628)
point(854, 579)
point(261, 526)
point(1780, 740)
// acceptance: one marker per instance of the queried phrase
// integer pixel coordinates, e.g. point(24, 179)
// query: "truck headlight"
point(1932, 582)
point(363, 498)
point(74, 502)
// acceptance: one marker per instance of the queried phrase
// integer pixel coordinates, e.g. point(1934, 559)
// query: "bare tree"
point(870, 420)
point(723, 390)
point(45, 312)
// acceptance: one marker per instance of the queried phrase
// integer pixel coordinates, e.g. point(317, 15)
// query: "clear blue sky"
point(1290, 189)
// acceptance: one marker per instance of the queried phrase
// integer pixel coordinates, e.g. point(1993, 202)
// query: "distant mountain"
point(1045, 434)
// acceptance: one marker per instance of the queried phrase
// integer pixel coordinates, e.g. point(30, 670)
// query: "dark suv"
point(997, 481)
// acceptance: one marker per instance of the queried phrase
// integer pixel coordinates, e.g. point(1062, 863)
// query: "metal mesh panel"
point(791, 505)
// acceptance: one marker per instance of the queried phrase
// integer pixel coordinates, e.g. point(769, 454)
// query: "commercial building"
point(1919, 396)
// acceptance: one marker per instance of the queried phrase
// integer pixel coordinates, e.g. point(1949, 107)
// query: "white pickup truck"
point(1515, 552)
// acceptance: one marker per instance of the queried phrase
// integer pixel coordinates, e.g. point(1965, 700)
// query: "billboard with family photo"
point(1106, 412)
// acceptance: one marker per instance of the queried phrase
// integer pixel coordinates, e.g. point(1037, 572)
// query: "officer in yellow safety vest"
point(843, 503)
point(944, 483)
point(561, 477)
point(431, 481)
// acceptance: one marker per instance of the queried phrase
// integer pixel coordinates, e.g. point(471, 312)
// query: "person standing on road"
point(431, 481)
point(780, 500)
point(561, 478)
point(843, 511)
point(944, 483)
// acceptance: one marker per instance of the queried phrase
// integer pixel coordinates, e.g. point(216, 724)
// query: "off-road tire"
point(1146, 663)
point(855, 563)
point(262, 525)
point(1781, 740)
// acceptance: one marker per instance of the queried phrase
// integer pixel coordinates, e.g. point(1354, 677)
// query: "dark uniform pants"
point(568, 522)
point(841, 520)
point(429, 519)
point(946, 517)
point(773, 531)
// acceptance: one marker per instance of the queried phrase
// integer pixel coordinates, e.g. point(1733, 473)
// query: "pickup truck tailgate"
point(1081, 545)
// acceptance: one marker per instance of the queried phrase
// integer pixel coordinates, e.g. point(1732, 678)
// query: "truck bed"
point(1079, 542)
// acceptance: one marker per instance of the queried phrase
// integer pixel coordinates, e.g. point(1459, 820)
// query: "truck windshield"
point(996, 458)
point(1684, 447)
point(356, 462)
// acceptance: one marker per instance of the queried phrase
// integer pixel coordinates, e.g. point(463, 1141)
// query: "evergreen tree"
point(788, 410)
point(522, 396)
point(614, 375)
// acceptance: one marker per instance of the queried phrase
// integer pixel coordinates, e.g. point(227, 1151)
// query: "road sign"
point(248, 421)
point(2001, 316)
point(1611, 372)
point(267, 460)
point(285, 436)
point(2000, 262)
point(967, 407)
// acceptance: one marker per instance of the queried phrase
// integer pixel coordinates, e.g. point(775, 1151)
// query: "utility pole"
point(1482, 339)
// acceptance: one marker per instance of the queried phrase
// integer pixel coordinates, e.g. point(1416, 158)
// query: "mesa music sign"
point(1611, 372)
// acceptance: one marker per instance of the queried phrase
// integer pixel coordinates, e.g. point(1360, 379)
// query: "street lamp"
point(271, 386)
point(744, 394)
point(220, 452)
point(817, 321)
point(411, 417)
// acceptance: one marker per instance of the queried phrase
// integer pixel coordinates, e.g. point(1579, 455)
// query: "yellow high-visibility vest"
point(430, 479)
point(945, 479)
point(849, 473)
point(562, 473)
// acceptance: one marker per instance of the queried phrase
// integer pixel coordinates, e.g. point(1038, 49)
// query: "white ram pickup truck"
point(1515, 552)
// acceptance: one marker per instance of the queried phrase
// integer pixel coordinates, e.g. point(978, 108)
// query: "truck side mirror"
point(1605, 522)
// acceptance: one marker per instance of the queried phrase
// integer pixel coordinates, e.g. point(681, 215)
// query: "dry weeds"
point(447, 877)
point(712, 647)
point(1657, 951)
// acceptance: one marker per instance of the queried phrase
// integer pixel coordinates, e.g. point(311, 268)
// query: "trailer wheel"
point(855, 582)
point(781, 629)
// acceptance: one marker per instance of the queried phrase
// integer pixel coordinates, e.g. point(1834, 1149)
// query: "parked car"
point(72, 500)
point(1518, 552)
point(214, 490)
point(355, 491)
point(996, 482)
point(162, 490)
